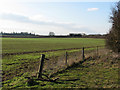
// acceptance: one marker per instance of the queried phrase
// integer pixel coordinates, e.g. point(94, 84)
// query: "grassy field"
point(95, 72)
point(17, 67)
point(12, 63)
point(14, 45)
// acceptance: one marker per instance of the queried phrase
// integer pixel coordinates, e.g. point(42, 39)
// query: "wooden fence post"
point(83, 56)
point(97, 50)
point(66, 55)
point(41, 66)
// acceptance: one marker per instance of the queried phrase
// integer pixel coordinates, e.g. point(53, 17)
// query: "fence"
point(55, 63)
point(49, 63)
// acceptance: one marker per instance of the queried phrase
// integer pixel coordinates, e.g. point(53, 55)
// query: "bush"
point(113, 37)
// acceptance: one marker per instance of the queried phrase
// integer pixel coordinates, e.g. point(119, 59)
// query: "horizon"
point(59, 17)
point(48, 33)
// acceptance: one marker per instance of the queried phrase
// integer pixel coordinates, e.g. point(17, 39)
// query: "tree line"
point(16, 33)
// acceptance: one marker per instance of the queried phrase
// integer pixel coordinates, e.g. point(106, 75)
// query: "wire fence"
point(52, 62)
point(56, 63)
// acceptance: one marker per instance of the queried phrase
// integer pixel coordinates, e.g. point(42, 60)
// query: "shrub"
point(113, 37)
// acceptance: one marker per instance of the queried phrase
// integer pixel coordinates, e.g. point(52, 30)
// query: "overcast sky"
point(59, 16)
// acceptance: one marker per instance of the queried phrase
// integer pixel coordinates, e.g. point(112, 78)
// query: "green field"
point(101, 72)
point(17, 67)
point(14, 45)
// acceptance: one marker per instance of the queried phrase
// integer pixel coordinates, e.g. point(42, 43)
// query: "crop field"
point(16, 45)
point(27, 64)
point(17, 67)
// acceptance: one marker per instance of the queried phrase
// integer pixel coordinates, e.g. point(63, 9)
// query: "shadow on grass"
point(74, 65)
point(32, 82)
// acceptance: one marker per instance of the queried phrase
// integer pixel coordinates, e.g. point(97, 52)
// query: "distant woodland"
point(30, 35)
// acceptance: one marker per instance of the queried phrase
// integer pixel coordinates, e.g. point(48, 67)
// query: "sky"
point(59, 16)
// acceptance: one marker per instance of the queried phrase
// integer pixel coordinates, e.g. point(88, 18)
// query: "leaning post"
point(97, 50)
point(41, 66)
point(66, 54)
point(83, 56)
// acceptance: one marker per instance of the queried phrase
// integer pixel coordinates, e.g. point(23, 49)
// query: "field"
point(17, 68)
point(15, 45)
